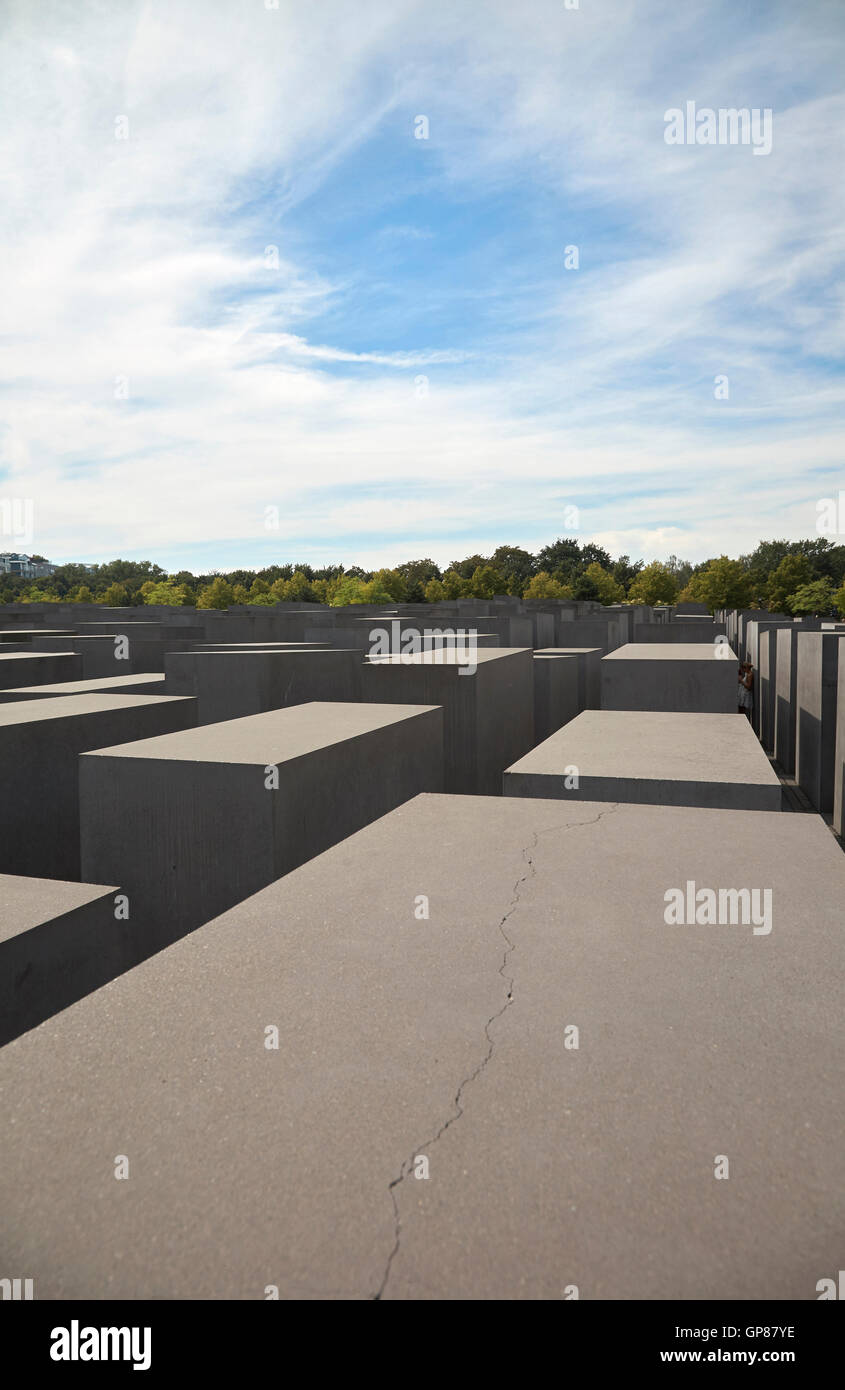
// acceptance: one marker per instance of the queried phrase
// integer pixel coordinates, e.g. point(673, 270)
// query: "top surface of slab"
point(72, 706)
point(32, 655)
point(593, 1166)
point(654, 746)
point(565, 651)
point(276, 736)
point(670, 651)
point(27, 902)
point(91, 686)
point(447, 656)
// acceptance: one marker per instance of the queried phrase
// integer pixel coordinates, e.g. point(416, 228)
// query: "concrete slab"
point(839, 756)
point(21, 668)
point(556, 692)
point(589, 672)
point(151, 684)
point(786, 670)
point(817, 662)
point(558, 1166)
point(233, 684)
point(683, 678)
point(58, 942)
point(693, 630)
point(40, 741)
point(648, 758)
point(488, 715)
point(194, 822)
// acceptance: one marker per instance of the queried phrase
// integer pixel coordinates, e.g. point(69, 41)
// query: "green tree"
point(392, 583)
point(607, 588)
point(485, 582)
point(516, 567)
point(217, 594)
point(839, 600)
point(815, 597)
point(434, 591)
point(417, 574)
point(167, 594)
point(542, 585)
point(724, 583)
point(654, 584)
point(792, 572)
point(455, 585)
point(116, 596)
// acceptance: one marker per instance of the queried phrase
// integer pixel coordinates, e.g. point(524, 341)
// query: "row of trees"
point(799, 577)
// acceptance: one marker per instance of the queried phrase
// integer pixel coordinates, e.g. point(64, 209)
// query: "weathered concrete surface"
point(151, 684)
point(21, 668)
point(589, 672)
point(817, 662)
point(234, 684)
point(58, 942)
point(683, 678)
point(196, 822)
point(40, 741)
point(488, 716)
point(646, 758)
point(556, 692)
point(594, 1167)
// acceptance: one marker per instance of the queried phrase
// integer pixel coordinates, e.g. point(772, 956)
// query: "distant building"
point(24, 566)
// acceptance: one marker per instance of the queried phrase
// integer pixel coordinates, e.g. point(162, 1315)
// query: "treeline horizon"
point(800, 577)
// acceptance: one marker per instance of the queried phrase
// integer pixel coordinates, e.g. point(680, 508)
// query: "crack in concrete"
point(468, 1080)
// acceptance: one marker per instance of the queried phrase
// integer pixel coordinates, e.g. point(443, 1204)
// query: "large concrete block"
point(839, 756)
point(234, 684)
point(693, 630)
point(589, 672)
point(645, 758)
point(683, 678)
point(58, 942)
point(786, 669)
point(294, 1152)
point(21, 668)
point(40, 741)
point(100, 656)
point(556, 692)
point(151, 684)
point(191, 823)
point(488, 714)
point(817, 663)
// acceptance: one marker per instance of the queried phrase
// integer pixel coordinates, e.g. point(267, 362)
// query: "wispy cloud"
point(235, 278)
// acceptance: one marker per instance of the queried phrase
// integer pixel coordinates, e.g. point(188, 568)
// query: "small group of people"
point(746, 685)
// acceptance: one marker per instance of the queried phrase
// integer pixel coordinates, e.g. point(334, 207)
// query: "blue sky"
point(411, 369)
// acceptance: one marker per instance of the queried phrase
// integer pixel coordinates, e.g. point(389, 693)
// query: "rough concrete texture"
point(234, 684)
point(58, 942)
point(22, 668)
point(817, 662)
point(195, 822)
point(589, 672)
point(40, 741)
point(641, 757)
point(488, 714)
point(150, 684)
point(446, 1038)
point(683, 678)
